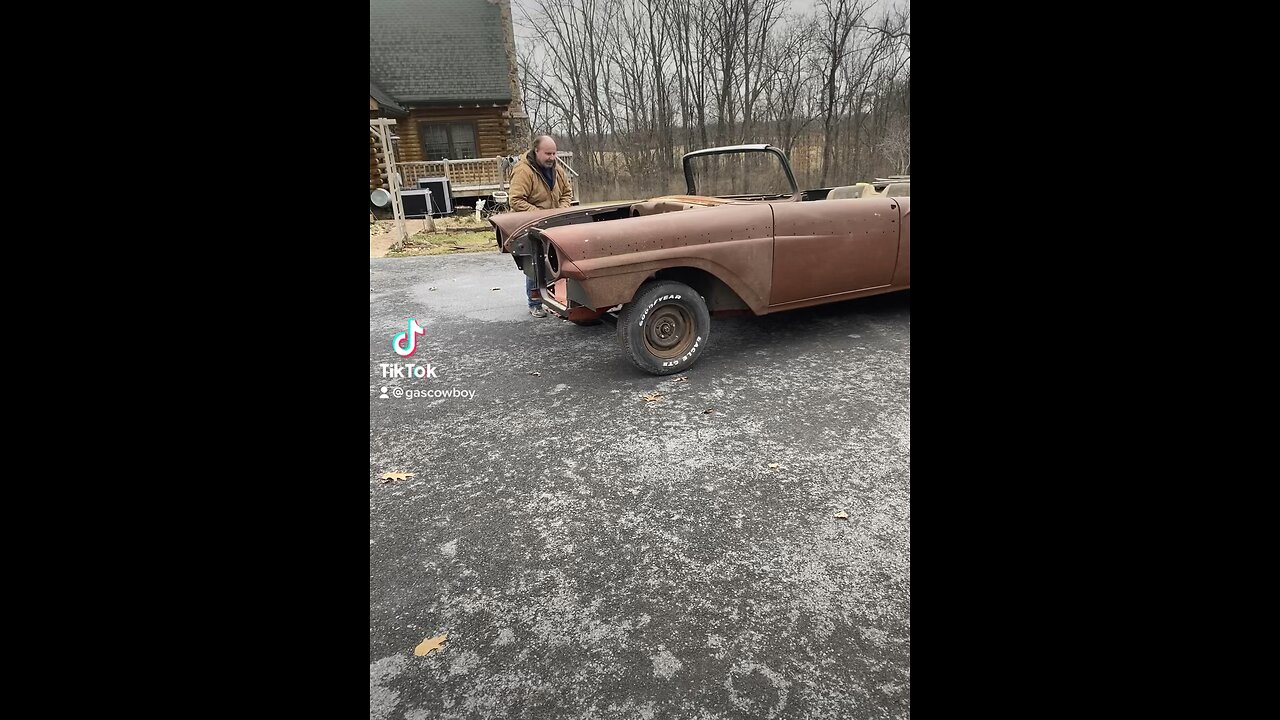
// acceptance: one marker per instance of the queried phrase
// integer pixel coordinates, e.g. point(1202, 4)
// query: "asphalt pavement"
point(593, 554)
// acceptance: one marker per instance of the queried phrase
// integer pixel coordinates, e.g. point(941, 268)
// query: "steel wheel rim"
point(668, 332)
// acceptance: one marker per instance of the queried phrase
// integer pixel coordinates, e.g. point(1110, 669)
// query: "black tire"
point(666, 328)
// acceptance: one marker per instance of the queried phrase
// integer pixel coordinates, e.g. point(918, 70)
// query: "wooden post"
point(382, 127)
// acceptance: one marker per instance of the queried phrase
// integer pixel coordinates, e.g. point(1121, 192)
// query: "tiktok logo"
point(406, 342)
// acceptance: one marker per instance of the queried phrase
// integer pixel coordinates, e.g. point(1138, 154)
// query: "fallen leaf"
point(430, 644)
point(708, 411)
point(651, 397)
point(393, 476)
point(842, 515)
point(773, 466)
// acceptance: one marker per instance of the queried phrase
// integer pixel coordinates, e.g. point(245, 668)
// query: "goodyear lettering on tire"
point(645, 314)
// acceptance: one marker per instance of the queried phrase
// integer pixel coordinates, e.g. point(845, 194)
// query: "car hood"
point(511, 224)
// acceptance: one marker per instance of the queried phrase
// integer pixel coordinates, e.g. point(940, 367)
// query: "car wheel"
point(665, 329)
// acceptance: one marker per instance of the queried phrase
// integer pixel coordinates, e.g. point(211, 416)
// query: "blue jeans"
point(532, 293)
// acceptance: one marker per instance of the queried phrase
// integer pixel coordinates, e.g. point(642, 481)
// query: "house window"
point(455, 141)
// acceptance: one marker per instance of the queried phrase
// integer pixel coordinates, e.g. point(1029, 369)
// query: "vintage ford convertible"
point(743, 239)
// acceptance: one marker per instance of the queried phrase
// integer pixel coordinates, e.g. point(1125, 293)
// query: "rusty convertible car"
point(744, 239)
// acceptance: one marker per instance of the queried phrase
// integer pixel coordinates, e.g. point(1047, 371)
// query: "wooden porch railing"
point(474, 178)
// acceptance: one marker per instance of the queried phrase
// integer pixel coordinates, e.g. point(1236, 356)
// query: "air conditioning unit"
point(417, 203)
point(441, 197)
point(426, 201)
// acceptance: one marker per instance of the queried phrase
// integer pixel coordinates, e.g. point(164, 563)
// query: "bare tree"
point(788, 94)
point(690, 31)
point(836, 19)
point(896, 144)
point(631, 84)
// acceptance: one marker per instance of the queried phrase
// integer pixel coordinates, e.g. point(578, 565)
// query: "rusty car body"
point(744, 239)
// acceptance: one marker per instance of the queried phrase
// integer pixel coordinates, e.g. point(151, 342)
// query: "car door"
point(829, 247)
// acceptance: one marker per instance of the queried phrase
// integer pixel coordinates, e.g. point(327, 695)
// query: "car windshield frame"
point(741, 149)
